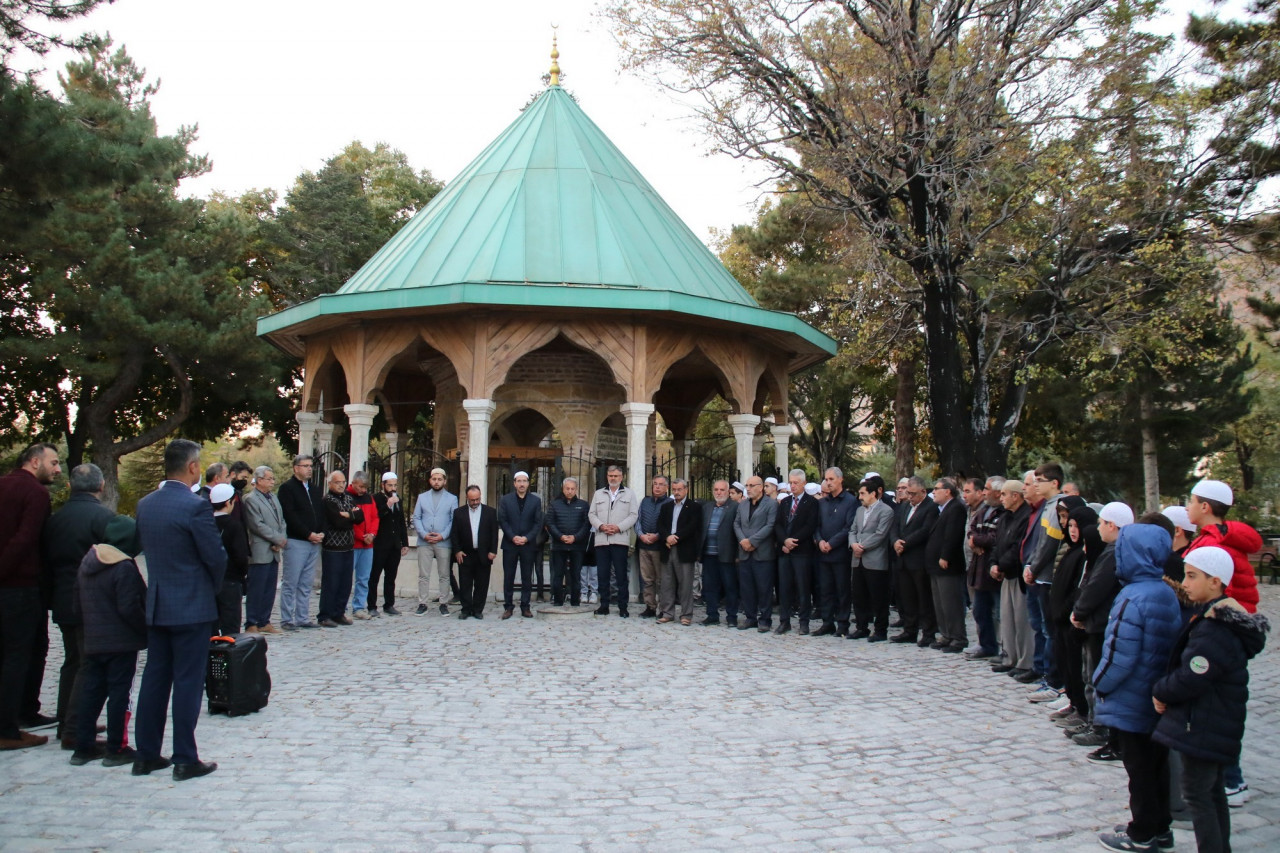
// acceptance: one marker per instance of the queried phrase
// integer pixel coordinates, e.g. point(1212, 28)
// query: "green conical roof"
point(550, 201)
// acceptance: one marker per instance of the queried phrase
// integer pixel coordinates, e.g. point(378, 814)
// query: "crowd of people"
point(1134, 632)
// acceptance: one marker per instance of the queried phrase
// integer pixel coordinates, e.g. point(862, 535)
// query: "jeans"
point(260, 593)
point(335, 583)
point(611, 561)
point(566, 577)
point(589, 583)
point(1205, 795)
point(1052, 674)
point(1036, 619)
point(21, 615)
point(176, 660)
point(986, 607)
point(755, 585)
point(363, 564)
point(720, 585)
point(106, 679)
point(300, 559)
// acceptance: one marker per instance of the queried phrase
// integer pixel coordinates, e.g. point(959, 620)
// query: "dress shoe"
point(143, 766)
point(341, 620)
point(81, 757)
point(877, 638)
point(648, 613)
point(842, 630)
point(1001, 667)
point(327, 623)
point(662, 620)
point(37, 721)
point(24, 740)
point(746, 625)
point(269, 629)
point(825, 631)
point(925, 642)
point(477, 615)
point(904, 637)
point(803, 630)
point(251, 629)
point(686, 621)
point(602, 610)
point(860, 634)
point(183, 772)
point(126, 755)
point(526, 613)
point(710, 621)
point(897, 623)
point(463, 615)
point(954, 648)
point(938, 645)
point(1030, 677)
point(391, 611)
point(784, 628)
point(506, 614)
point(622, 613)
point(763, 629)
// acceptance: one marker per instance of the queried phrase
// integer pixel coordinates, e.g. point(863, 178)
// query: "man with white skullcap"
point(520, 520)
point(389, 546)
point(433, 520)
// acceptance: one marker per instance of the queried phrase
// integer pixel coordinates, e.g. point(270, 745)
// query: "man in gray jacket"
point(757, 553)
point(869, 545)
point(264, 521)
point(613, 514)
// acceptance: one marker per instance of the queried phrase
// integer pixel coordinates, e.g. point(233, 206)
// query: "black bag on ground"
point(236, 681)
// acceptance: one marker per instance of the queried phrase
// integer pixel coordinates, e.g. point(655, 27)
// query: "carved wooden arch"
point(535, 402)
point(319, 356)
point(612, 343)
point(510, 341)
point(665, 347)
point(775, 382)
point(740, 366)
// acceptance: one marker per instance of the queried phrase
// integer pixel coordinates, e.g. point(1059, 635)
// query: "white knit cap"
point(1213, 561)
point(1117, 513)
point(222, 493)
point(390, 475)
point(771, 481)
point(812, 488)
point(1214, 490)
point(520, 474)
point(1178, 515)
point(735, 484)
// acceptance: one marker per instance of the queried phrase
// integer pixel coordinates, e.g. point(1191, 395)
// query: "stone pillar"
point(637, 416)
point(680, 449)
point(324, 438)
point(757, 445)
point(781, 447)
point(360, 418)
point(307, 422)
point(479, 417)
point(744, 433)
point(393, 447)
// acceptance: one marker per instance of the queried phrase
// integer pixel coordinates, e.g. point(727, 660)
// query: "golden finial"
point(555, 56)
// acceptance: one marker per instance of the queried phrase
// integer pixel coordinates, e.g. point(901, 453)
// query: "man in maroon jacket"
point(24, 507)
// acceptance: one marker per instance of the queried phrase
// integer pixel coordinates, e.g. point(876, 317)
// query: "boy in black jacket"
point(1202, 698)
point(110, 597)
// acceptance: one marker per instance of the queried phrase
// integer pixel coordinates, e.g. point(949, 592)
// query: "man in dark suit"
point(520, 518)
point(796, 524)
point(680, 532)
point(185, 565)
point(474, 539)
point(757, 556)
point(915, 599)
point(835, 517)
point(719, 552)
point(944, 564)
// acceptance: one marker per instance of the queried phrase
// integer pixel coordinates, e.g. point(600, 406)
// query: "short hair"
point(337, 472)
point(948, 484)
point(301, 458)
point(573, 480)
point(997, 482)
point(240, 466)
point(977, 483)
point(608, 470)
point(797, 472)
point(86, 477)
point(837, 472)
point(262, 471)
point(179, 454)
point(472, 488)
point(35, 452)
point(1218, 508)
point(1160, 520)
point(214, 471)
point(1051, 471)
point(681, 481)
point(916, 480)
point(715, 483)
point(220, 504)
point(874, 483)
point(664, 478)
point(360, 477)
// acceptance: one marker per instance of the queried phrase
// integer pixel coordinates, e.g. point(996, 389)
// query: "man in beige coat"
point(613, 514)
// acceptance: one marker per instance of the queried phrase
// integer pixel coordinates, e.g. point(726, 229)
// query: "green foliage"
point(22, 25)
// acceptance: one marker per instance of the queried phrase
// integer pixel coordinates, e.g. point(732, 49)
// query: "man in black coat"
point(796, 524)
point(391, 544)
point(945, 566)
point(1015, 628)
point(680, 534)
point(915, 598)
point(520, 519)
point(835, 516)
point(569, 530)
point(68, 535)
point(302, 504)
point(474, 539)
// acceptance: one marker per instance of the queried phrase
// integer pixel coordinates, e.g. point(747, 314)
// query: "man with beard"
point(389, 546)
point(432, 520)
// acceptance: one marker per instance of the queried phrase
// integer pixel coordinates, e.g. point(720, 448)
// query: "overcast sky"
point(278, 86)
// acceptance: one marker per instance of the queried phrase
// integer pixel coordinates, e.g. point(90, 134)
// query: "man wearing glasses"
point(302, 504)
point(267, 539)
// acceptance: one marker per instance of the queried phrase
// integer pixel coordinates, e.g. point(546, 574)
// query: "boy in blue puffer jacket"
point(1202, 699)
point(1141, 630)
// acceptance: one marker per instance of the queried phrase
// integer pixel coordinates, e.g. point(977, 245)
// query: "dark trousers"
point(473, 583)
point(229, 612)
point(755, 589)
point(337, 573)
point(21, 615)
point(386, 565)
point(69, 686)
point(1147, 763)
point(521, 556)
point(834, 594)
point(1205, 794)
point(869, 589)
point(611, 562)
point(915, 602)
point(177, 657)
point(105, 679)
point(985, 602)
point(794, 591)
point(260, 593)
point(720, 586)
point(948, 591)
point(1069, 648)
point(566, 567)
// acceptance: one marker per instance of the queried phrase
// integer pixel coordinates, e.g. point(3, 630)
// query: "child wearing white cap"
point(1202, 699)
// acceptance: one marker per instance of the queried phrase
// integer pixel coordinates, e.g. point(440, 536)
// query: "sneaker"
point(421, 611)
point(362, 615)
point(1070, 721)
point(1164, 842)
point(1072, 731)
point(1043, 693)
point(391, 611)
point(1237, 797)
point(1092, 737)
point(1059, 703)
point(1122, 842)
point(1105, 755)
point(288, 627)
point(374, 614)
point(444, 610)
point(1064, 714)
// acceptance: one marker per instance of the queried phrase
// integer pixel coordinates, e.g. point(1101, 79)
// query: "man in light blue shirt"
point(432, 519)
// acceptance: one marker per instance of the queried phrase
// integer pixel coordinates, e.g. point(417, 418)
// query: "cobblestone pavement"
point(592, 733)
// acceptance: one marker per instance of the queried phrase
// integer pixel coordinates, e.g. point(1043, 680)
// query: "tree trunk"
point(106, 459)
point(1150, 457)
point(1244, 456)
point(904, 420)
